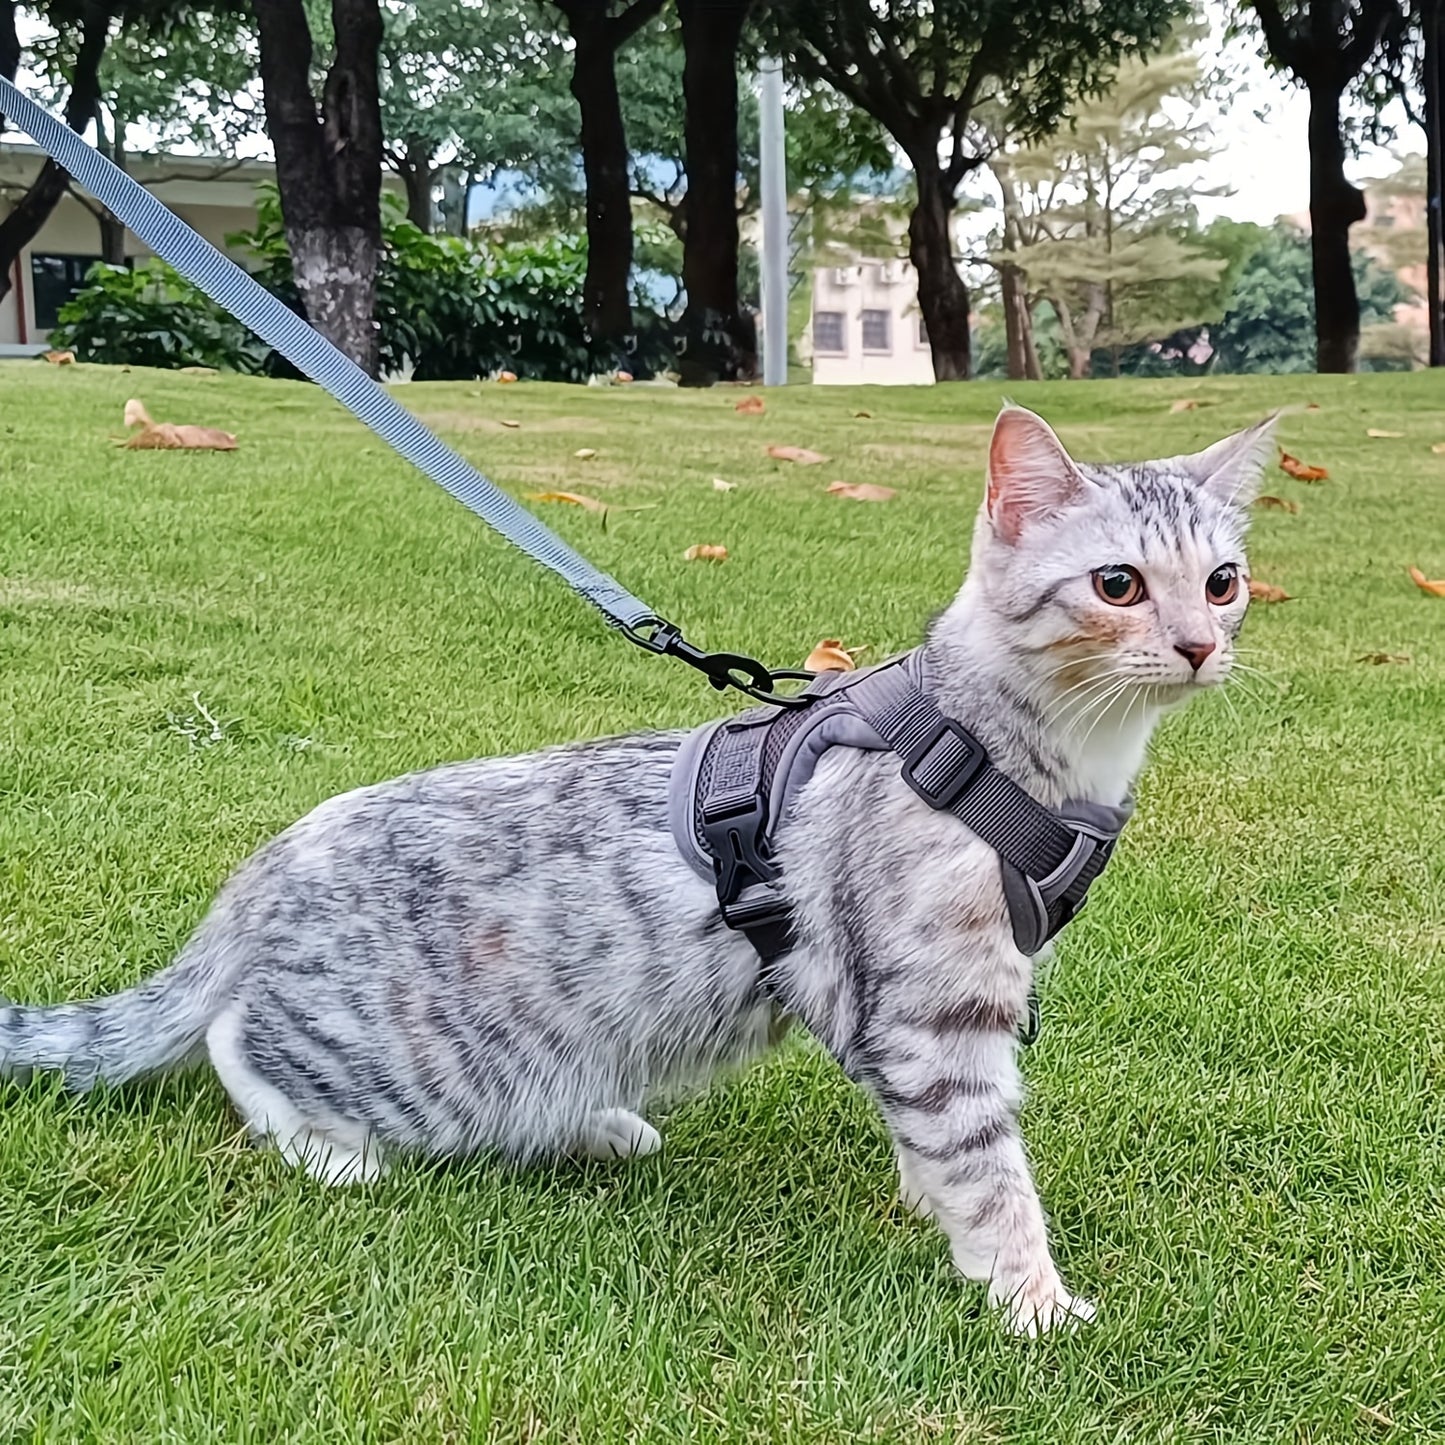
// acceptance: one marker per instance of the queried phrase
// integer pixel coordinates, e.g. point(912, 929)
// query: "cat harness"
point(735, 780)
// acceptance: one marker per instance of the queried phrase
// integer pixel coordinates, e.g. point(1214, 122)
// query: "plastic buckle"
point(947, 791)
point(732, 839)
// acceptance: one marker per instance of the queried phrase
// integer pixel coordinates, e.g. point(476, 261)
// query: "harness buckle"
point(952, 757)
point(733, 836)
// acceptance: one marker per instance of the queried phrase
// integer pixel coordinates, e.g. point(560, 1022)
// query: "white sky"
point(1262, 155)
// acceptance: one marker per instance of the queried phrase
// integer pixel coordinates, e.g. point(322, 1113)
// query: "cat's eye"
point(1119, 586)
point(1223, 584)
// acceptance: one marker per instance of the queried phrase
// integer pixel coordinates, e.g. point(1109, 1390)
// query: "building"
point(865, 326)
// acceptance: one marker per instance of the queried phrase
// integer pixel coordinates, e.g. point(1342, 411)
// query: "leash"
point(230, 287)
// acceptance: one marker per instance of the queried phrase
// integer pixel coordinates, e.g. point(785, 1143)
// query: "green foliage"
point(151, 316)
point(1269, 325)
point(452, 309)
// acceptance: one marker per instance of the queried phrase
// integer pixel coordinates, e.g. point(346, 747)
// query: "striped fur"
point(510, 955)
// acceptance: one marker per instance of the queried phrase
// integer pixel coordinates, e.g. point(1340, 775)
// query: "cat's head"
point(1135, 571)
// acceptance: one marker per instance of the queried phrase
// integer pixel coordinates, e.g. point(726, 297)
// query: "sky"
point(1262, 155)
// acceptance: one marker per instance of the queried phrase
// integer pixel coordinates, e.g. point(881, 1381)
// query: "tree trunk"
point(1335, 206)
point(32, 210)
point(112, 228)
point(9, 47)
point(719, 343)
point(328, 167)
point(419, 176)
point(606, 299)
point(1433, 77)
point(942, 296)
point(1023, 358)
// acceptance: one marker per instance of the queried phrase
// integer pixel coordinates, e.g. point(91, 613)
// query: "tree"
point(1326, 46)
point(921, 69)
point(328, 163)
point(1102, 228)
point(1269, 325)
point(90, 22)
point(719, 341)
point(597, 35)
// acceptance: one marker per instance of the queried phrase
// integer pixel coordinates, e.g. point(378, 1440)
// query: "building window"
point(54, 280)
point(922, 335)
point(877, 331)
point(828, 332)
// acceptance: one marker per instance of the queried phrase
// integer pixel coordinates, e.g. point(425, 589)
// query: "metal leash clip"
point(722, 669)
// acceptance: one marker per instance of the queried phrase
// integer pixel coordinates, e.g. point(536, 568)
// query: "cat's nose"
point(1195, 652)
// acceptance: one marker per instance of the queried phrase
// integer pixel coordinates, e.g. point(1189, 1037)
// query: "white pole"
point(773, 167)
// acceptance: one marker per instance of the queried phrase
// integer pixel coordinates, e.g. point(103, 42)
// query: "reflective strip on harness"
point(734, 780)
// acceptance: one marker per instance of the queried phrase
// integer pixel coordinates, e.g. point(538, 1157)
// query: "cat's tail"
point(154, 1026)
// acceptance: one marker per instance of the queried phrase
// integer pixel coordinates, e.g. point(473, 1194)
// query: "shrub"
point(151, 316)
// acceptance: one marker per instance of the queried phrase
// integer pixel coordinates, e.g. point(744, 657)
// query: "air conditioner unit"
point(890, 273)
point(845, 275)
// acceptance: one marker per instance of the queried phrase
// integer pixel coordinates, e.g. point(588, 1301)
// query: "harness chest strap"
point(734, 780)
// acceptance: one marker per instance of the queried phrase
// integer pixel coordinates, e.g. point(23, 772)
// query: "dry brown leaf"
point(1383, 659)
point(1439, 449)
point(506, 376)
point(60, 358)
point(1312, 406)
point(1263, 592)
point(863, 415)
point(802, 455)
point(862, 491)
point(572, 499)
point(750, 406)
point(509, 423)
point(1435, 588)
point(167, 436)
point(1184, 404)
point(622, 378)
point(830, 656)
point(1300, 471)
point(1375, 431)
point(721, 484)
point(136, 413)
point(705, 552)
point(1276, 504)
point(585, 454)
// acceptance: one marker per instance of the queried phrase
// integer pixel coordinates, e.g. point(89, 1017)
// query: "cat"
point(510, 954)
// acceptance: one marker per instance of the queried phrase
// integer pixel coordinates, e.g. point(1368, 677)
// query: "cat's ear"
point(1030, 475)
point(1230, 470)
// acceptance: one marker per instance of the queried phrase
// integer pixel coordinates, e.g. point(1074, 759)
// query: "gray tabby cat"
point(511, 954)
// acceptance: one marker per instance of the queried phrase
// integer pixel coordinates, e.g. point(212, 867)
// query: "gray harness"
point(734, 781)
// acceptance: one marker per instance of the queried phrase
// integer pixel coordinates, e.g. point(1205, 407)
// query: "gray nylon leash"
point(229, 286)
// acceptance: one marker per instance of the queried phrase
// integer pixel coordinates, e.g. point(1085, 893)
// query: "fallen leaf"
point(1300, 471)
point(705, 552)
point(863, 415)
point(750, 406)
point(168, 436)
point(802, 455)
point(1375, 431)
point(585, 454)
point(623, 377)
point(572, 499)
point(506, 376)
point(1312, 406)
point(1435, 588)
point(862, 491)
point(1381, 659)
point(1439, 449)
point(60, 358)
point(1263, 592)
point(510, 423)
point(1184, 404)
point(830, 656)
point(721, 484)
point(1276, 504)
point(197, 371)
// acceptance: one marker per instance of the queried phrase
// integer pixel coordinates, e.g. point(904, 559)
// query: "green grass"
point(1238, 1100)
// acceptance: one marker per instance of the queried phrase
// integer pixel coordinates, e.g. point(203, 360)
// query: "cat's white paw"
point(1043, 1304)
point(618, 1134)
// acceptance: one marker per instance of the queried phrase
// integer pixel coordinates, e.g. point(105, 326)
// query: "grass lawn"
point(1237, 1108)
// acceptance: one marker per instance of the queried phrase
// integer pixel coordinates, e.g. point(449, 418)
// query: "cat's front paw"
point(1042, 1304)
